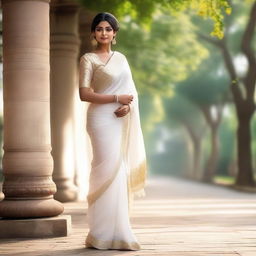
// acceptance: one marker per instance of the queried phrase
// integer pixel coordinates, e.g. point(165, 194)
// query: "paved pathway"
point(177, 218)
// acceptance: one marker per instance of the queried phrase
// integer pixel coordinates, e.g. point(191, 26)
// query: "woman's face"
point(104, 33)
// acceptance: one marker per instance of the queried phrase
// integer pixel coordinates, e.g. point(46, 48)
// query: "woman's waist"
point(102, 108)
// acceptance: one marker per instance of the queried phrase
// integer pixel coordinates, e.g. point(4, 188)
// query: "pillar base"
point(32, 208)
point(36, 228)
point(1, 195)
point(66, 190)
point(65, 195)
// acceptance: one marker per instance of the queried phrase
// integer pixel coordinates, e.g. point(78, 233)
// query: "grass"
point(224, 180)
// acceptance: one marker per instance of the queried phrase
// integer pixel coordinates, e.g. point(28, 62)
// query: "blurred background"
point(196, 87)
point(196, 124)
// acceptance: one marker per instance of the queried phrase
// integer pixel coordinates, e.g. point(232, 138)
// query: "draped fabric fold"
point(118, 168)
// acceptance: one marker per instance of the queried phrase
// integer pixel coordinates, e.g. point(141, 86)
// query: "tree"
point(187, 115)
point(162, 56)
point(143, 10)
point(207, 88)
point(242, 87)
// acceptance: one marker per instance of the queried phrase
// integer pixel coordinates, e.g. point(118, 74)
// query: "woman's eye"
point(101, 29)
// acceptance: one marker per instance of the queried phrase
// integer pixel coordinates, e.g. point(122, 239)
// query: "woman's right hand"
point(125, 99)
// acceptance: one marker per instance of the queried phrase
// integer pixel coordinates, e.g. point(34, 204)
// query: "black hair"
point(105, 16)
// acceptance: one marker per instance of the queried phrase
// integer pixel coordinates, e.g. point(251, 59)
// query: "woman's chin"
point(104, 42)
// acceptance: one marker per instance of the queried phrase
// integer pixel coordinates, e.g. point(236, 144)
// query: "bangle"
point(116, 98)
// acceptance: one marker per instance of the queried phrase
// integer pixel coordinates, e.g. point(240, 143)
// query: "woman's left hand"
point(122, 111)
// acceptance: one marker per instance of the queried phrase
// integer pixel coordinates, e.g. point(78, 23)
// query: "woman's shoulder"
point(120, 54)
point(86, 56)
point(90, 57)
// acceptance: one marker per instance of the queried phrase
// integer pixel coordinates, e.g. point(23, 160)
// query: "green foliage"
point(143, 10)
point(163, 55)
point(224, 180)
point(208, 85)
point(172, 134)
point(235, 25)
point(183, 112)
point(152, 111)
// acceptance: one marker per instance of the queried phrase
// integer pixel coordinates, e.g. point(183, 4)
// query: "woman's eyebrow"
point(103, 27)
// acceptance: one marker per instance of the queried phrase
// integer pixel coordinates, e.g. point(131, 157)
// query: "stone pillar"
point(64, 53)
point(27, 160)
point(85, 19)
point(83, 145)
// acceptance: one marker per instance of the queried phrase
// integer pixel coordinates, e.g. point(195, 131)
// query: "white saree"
point(118, 168)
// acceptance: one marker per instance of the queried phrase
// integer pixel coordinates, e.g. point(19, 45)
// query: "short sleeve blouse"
point(85, 72)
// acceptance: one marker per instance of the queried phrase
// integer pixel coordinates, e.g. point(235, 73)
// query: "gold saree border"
point(94, 196)
point(137, 176)
point(136, 183)
point(92, 241)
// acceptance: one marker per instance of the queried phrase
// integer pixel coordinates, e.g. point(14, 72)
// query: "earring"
point(114, 40)
point(94, 42)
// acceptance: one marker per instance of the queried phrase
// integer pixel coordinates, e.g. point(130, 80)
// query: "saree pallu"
point(118, 167)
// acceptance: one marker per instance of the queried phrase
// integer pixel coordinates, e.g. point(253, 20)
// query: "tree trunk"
point(213, 123)
point(212, 162)
point(245, 173)
point(196, 142)
point(196, 158)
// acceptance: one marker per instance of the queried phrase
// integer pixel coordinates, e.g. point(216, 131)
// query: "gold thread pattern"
point(138, 176)
point(94, 196)
point(91, 241)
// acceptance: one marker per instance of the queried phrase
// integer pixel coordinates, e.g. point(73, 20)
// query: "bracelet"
point(116, 98)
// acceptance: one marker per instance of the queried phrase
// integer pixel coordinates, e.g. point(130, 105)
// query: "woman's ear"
point(92, 35)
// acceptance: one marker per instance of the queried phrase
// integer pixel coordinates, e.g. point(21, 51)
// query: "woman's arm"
point(122, 110)
point(87, 94)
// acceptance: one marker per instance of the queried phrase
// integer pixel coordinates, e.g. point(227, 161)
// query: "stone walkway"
point(177, 218)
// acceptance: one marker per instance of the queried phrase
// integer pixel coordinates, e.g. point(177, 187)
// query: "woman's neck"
point(102, 48)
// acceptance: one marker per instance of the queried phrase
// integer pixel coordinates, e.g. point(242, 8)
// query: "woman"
point(118, 168)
